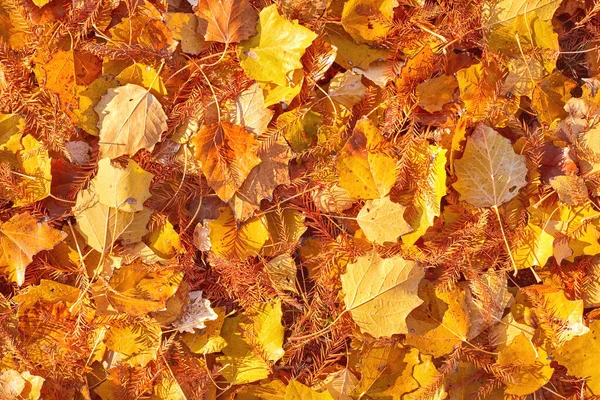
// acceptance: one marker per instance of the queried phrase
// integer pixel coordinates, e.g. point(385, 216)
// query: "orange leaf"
point(228, 154)
point(21, 238)
point(228, 20)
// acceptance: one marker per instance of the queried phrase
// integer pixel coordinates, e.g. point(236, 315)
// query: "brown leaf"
point(229, 21)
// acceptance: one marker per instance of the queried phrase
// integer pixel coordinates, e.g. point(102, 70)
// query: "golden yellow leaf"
point(189, 30)
point(21, 237)
point(297, 391)
point(248, 109)
point(208, 340)
point(137, 342)
point(165, 241)
point(535, 249)
point(489, 173)
point(435, 92)
point(579, 355)
point(380, 293)
point(365, 171)
point(368, 20)
point(229, 240)
point(534, 366)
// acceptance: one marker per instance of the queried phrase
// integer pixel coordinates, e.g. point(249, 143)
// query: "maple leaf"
point(229, 21)
point(130, 119)
point(228, 154)
point(22, 237)
point(489, 173)
point(380, 307)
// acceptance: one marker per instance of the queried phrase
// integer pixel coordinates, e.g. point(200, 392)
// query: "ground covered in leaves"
point(239, 199)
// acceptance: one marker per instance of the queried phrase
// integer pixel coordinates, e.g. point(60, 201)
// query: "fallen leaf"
point(380, 307)
point(195, 314)
point(125, 189)
point(489, 173)
point(382, 220)
point(229, 21)
point(368, 20)
point(131, 119)
point(275, 51)
point(228, 154)
point(22, 237)
point(297, 391)
point(436, 92)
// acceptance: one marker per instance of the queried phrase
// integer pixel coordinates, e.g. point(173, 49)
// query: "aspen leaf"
point(436, 92)
point(380, 307)
point(550, 96)
point(36, 168)
point(229, 21)
point(47, 292)
point(341, 384)
point(228, 154)
point(240, 363)
point(365, 20)
point(101, 225)
point(248, 110)
point(507, 10)
point(489, 173)
point(364, 171)
point(123, 188)
point(131, 119)
point(22, 237)
point(579, 355)
point(263, 179)
point(536, 248)
point(478, 88)
point(297, 391)
point(165, 241)
point(275, 51)
point(571, 189)
point(349, 53)
point(534, 366)
point(346, 88)
point(382, 220)
point(137, 342)
point(282, 271)
point(208, 340)
point(188, 29)
point(229, 240)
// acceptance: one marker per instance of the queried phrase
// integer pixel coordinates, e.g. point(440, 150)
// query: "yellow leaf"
point(20, 385)
point(489, 173)
point(144, 76)
point(478, 89)
point(230, 241)
point(138, 289)
point(275, 51)
point(266, 321)
point(35, 169)
point(365, 171)
point(209, 340)
point(534, 366)
point(382, 220)
point(428, 204)
point(228, 154)
point(131, 119)
point(48, 292)
point(365, 20)
point(341, 384)
point(349, 53)
point(435, 92)
point(535, 248)
point(248, 109)
point(580, 356)
point(99, 224)
point(123, 188)
point(285, 226)
point(297, 391)
point(167, 389)
point(571, 189)
point(523, 73)
point(11, 126)
point(550, 96)
point(386, 371)
point(507, 10)
point(440, 323)
point(21, 237)
point(346, 88)
point(380, 293)
point(282, 272)
point(136, 341)
point(165, 241)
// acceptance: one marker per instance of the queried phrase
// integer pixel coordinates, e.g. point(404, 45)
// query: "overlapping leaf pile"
point(359, 199)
